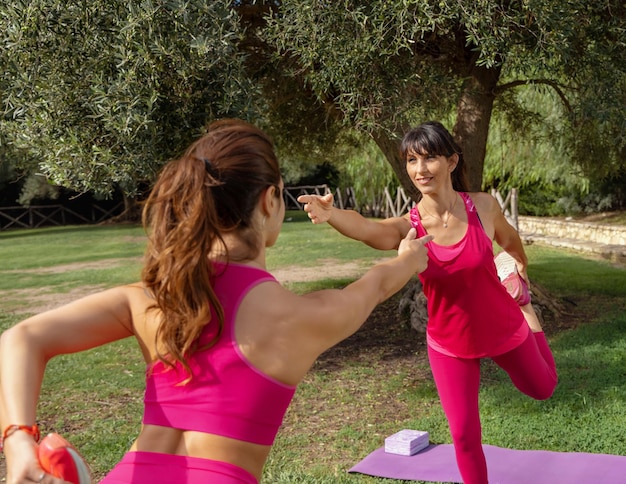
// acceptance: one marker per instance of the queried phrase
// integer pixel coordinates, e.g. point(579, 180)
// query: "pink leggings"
point(157, 468)
point(531, 369)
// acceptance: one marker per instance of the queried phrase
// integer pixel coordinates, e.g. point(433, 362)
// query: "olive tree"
point(100, 94)
point(383, 65)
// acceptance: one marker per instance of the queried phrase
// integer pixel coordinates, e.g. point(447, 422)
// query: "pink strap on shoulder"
point(468, 201)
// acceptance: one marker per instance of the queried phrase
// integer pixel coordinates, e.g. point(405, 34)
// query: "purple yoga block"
point(406, 442)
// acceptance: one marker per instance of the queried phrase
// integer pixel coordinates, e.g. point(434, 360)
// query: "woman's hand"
point(416, 248)
point(317, 207)
point(521, 270)
point(22, 463)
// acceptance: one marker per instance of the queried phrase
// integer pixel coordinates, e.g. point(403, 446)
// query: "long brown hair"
point(211, 190)
point(432, 138)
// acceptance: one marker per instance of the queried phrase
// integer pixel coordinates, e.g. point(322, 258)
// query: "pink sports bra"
point(227, 396)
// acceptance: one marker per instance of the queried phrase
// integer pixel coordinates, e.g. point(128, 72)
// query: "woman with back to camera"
point(225, 344)
point(470, 312)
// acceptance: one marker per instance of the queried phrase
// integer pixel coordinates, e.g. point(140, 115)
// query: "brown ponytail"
point(212, 189)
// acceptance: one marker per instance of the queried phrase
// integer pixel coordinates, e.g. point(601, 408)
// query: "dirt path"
point(327, 268)
point(29, 301)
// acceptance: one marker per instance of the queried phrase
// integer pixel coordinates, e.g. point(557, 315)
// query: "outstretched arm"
point(304, 326)
point(379, 234)
point(342, 312)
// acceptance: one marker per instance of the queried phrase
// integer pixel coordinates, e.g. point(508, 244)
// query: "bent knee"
point(543, 393)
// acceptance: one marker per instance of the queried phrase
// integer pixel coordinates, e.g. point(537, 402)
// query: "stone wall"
point(591, 232)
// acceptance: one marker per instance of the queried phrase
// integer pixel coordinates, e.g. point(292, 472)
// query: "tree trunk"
point(131, 213)
point(390, 147)
point(472, 122)
point(470, 131)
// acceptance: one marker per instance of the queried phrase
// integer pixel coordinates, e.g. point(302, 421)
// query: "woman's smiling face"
point(429, 172)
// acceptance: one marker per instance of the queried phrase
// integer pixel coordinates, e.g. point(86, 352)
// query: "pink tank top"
point(470, 313)
point(227, 396)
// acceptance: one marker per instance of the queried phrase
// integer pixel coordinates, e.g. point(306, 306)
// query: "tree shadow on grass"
point(384, 337)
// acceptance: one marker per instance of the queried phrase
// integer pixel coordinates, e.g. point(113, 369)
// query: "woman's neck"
point(439, 204)
point(236, 250)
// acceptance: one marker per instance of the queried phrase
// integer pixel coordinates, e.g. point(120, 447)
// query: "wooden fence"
point(54, 215)
point(342, 198)
point(384, 204)
point(509, 206)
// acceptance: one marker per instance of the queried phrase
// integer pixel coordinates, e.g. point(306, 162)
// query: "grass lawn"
point(375, 383)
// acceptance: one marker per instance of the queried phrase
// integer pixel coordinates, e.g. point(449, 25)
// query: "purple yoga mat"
point(505, 466)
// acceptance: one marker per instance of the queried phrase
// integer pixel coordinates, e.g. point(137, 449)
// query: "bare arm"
point(508, 238)
point(25, 350)
point(383, 234)
point(497, 226)
point(290, 334)
point(351, 306)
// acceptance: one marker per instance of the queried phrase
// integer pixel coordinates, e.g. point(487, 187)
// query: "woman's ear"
point(268, 200)
point(453, 161)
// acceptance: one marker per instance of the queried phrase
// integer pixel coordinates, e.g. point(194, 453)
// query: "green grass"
point(589, 403)
point(348, 404)
point(304, 244)
point(67, 257)
point(28, 249)
point(570, 275)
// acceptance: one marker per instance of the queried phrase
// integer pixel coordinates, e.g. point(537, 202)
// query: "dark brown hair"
point(432, 138)
point(211, 190)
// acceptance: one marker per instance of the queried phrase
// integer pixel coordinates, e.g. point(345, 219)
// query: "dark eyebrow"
point(418, 153)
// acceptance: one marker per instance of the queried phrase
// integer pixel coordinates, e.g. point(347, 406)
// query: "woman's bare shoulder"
point(484, 201)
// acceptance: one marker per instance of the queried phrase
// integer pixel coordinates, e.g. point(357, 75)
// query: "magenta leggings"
point(157, 468)
point(531, 369)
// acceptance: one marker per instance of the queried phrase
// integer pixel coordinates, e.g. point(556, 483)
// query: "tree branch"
point(554, 85)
